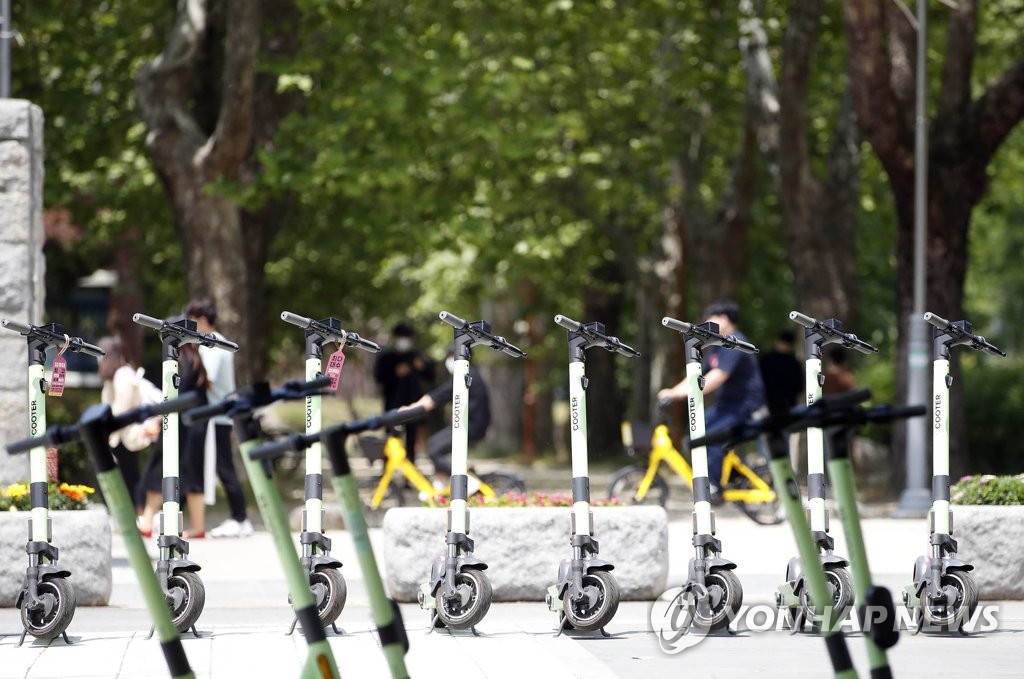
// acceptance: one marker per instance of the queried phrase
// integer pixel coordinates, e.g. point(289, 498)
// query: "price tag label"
point(57, 378)
point(334, 365)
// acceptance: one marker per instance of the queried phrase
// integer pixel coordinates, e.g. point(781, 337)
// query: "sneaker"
point(245, 528)
point(228, 529)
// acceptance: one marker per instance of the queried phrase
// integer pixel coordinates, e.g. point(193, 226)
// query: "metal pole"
point(6, 32)
point(916, 496)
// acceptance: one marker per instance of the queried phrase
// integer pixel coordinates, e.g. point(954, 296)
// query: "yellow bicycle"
point(749, 486)
point(386, 490)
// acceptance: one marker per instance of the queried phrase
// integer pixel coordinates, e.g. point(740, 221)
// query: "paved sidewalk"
point(246, 616)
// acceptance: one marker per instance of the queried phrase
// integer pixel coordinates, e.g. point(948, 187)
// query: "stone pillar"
point(22, 267)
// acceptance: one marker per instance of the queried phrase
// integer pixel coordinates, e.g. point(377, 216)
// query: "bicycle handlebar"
point(728, 342)
point(349, 339)
point(496, 342)
point(75, 344)
point(297, 442)
point(847, 339)
point(207, 340)
point(58, 435)
point(976, 342)
point(607, 342)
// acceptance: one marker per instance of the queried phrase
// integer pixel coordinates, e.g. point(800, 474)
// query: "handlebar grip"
point(204, 413)
point(295, 319)
point(568, 323)
point(938, 321)
point(276, 449)
point(190, 399)
point(860, 345)
point(802, 319)
point(17, 326)
point(25, 445)
point(845, 400)
point(678, 326)
point(988, 347)
point(887, 413)
point(83, 347)
point(507, 348)
point(393, 418)
point(740, 345)
point(452, 320)
point(226, 345)
point(626, 350)
point(148, 321)
point(354, 340)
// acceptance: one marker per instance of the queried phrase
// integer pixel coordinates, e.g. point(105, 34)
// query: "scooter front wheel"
point(949, 616)
point(725, 594)
point(469, 603)
point(625, 486)
point(330, 592)
point(840, 584)
point(52, 617)
point(597, 605)
point(186, 596)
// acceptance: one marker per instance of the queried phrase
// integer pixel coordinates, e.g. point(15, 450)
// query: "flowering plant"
point(15, 497)
point(989, 489)
point(512, 499)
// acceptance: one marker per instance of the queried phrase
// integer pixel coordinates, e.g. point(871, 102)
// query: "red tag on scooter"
point(60, 371)
point(334, 366)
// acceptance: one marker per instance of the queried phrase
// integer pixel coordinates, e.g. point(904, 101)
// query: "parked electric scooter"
point(324, 571)
point(586, 595)
point(47, 600)
point(94, 428)
point(792, 595)
point(458, 593)
point(876, 611)
point(944, 594)
point(177, 574)
point(320, 662)
point(386, 614)
point(712, 593)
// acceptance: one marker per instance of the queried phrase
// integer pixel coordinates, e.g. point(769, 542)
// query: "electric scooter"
point(386, 614)
point(47, 600)
point(320, 662)
point(181, 584)
point(586, 595)
point(712, 593)
point(324, 570)
point(944, 593)
point(94, 428)
point(792, 595)
point(876, 611)
point(458, 593)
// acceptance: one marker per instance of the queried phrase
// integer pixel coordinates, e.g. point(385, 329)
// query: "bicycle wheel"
point(763, 513)
point(626, 483)
point(504, 482)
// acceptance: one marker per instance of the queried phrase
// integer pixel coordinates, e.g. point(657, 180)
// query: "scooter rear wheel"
point(187, 596)
point(626, 483)
point(947, 617)
point(330, 592)
point(726, 594)
point(598, 605)
point(58, 607)
point(471, 603)
point(841, 585)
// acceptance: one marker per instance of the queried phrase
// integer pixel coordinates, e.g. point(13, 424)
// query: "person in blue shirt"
point(732, 376)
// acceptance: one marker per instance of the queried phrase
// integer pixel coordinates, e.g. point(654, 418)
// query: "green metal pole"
point(122, 509)
point(789, 492)
point(320, 663)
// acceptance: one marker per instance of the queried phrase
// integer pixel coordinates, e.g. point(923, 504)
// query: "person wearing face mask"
point(439, 445)
point(401, 371)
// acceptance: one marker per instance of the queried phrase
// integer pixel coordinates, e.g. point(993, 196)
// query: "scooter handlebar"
point(936, 320)
point(887, 413)
point(295, 319)
point(354, 340)
point(17, 326)
point(207, 412)
point(211, 341)
point(54, 435)
point(568, 323)
point(452, 320)
point(988, 347)
point(677, 325)
point(731, 342)
point(978, 343)
point(148, 321)
point(803, 319)
point(289, 444)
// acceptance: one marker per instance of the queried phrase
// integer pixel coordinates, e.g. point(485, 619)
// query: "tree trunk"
point(604, 303)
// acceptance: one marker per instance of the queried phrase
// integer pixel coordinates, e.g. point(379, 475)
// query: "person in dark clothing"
point(439, 445)
point(838, 377)
point(732, 376)
point(401, 371)
point(782, 374)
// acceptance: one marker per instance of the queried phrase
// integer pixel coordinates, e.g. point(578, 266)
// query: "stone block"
point(992, 539)
point(523, 547)
point(83, 540)
point(19, 119)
